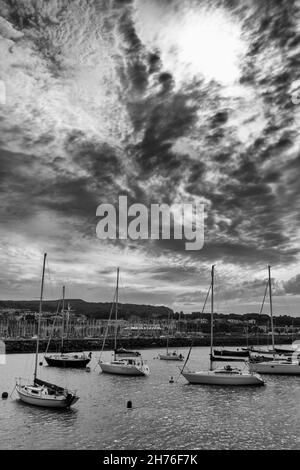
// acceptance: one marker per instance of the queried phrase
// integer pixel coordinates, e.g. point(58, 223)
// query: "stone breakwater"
point(15, 346)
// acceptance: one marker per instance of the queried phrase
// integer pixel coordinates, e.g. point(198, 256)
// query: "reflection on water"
point(164, 415)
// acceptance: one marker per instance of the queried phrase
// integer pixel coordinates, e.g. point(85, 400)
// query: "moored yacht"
point(39, 392)
point(224, 375)
point(45, 394)
point(280, 367)
point(288, 366)
point(76, 360)
point(64, 360)
point(124, 362)
point(174, 356)
point(231, 353)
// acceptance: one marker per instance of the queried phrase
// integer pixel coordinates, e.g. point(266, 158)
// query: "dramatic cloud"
point(292, 286)
point(178, 101)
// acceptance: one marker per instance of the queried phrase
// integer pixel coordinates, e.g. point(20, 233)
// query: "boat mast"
point(63, 319)
point(39, 321)
point(116, 316)
point(168, 333)
point(67, 321)
point(212, 317)
point(271, 310)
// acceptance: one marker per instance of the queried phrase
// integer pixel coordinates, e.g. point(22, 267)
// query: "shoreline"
point(21, 346)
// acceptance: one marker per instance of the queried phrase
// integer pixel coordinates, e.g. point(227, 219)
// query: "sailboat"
point(74, 360)
point(225, 355)
point(39, 392)
point(174, 356)
point(124, 362)
point(288, 366)
point(221, 376)
point(289, 350)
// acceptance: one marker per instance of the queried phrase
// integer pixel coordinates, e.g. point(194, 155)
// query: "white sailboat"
point(125, 362)
point(288, 366)
point(41, 393)
point(168, 356)
point(221, 376)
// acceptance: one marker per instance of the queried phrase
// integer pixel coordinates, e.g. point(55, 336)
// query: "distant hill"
point(92, 309)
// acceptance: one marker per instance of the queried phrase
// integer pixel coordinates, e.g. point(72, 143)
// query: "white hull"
point(170, 357)
point(45, 402)
point(274, 367)
point(124, 369)
point(222, 378)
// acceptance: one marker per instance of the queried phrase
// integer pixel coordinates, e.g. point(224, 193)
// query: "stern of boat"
point(71, 399)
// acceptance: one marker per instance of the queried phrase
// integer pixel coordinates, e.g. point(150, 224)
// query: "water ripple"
point(164, 416)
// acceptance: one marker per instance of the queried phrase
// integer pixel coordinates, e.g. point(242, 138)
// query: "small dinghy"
point(171, 356)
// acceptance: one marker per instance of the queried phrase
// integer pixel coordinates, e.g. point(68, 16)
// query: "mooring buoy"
point(129, 404)
point(4, 395)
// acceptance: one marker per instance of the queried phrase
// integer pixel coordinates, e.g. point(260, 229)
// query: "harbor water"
point(164, 415)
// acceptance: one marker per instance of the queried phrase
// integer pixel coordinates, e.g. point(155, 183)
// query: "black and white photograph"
point(149, 228)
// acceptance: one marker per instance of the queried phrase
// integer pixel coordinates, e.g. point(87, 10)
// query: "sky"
point(174, 101)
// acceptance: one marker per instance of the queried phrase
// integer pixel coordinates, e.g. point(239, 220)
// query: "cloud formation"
point(110, 98)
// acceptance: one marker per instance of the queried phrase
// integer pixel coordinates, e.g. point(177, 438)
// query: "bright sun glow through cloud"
point(198, 43)
point(211, 45)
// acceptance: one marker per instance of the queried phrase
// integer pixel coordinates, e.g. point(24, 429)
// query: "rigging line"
point(187, 358)
point(52, 331)
point(262, 306)
point(203, 308)
point(13, 391)
point(106, 330)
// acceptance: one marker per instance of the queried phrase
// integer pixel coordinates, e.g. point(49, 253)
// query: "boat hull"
point(53, 402)
point(124, 369)
point(276, 368)
point(167, 357)
point(260, 351)
point(229, 353)
point(67, 363)
point(286, 351)
point(211, 378)
point(229, 359)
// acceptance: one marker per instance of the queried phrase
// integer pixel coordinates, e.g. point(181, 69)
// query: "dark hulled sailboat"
point(70, 360)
